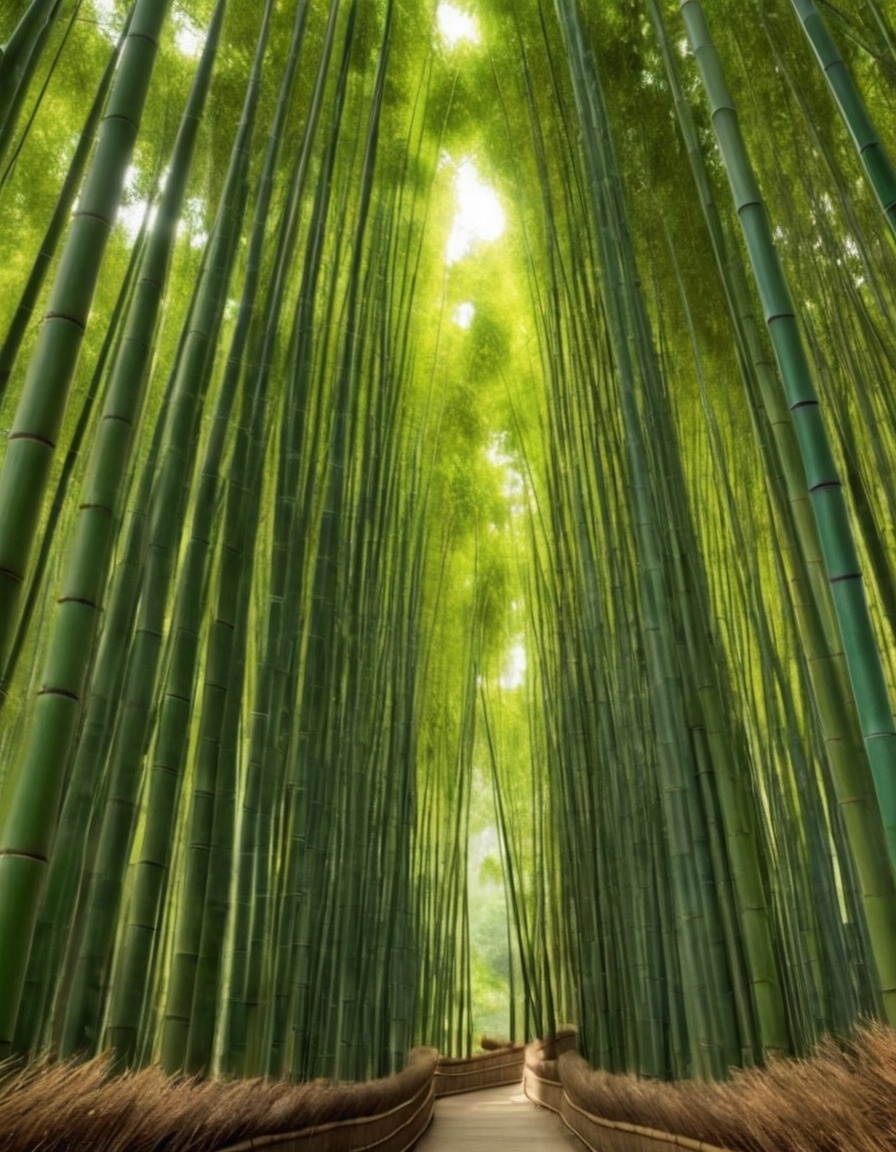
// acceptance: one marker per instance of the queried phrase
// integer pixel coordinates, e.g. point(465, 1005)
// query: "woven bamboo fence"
point(382, 1115)
point(544, 1084)
point(501, 1063)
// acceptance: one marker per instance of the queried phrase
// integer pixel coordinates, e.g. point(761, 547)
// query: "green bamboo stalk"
point(274, 701)
point(52, 921)
point(241, 519)
point(61, 213)
point(878, 166)
point(102, 892)
point(94, 397)
point(883, 23)
point(804, 948)
point(209, 998)
point(728, 768)
point(60, 50)
point(76, 846)
point(18, 61)
point(711, 1039)
point(29, 831)
point(35, 430)
point(792, 515)
point(133, 365)
point(347, 421)
point(825, 490)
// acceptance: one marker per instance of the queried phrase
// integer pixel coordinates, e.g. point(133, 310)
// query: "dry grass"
point(51, 1107)
point(843, 1098)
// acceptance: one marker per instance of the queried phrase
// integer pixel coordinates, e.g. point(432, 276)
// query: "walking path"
point(493, 1120)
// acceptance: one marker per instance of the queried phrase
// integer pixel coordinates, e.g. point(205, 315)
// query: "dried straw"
point(842, 1098)
point(63, 1107)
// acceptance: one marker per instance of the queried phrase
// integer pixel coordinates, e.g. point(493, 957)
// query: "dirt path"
point(494, 1120)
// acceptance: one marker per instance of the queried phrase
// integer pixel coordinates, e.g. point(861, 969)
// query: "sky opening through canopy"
point(455, 26)
point(479, 214)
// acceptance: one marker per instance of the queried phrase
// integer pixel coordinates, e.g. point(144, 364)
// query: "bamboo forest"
point(447, 532)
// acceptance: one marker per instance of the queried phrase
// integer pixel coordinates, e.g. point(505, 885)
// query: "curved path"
point(493, 1120)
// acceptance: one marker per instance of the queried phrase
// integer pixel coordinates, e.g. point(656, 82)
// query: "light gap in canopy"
point(107, 19)
point(479, 215)
point(463, 314)
point(455, 25)
point(133, 208)
point(189, 37)
point(513, 489)
point(513, 486)
point(514, 671)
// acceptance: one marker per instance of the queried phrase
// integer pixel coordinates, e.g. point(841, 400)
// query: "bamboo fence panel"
point(386, 1129)
point(543, 1086)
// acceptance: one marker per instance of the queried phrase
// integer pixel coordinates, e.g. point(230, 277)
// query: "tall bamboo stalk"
point(822, 480)
point(878, 166)
point(35, 430)
point(30, 827)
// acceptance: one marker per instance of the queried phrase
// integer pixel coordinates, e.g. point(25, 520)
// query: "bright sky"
point(514, 486)
point(479, 213)
point(514, 673)
point(456, 25)
point(132, 210)
point(188, 37)
point(463, 314)
point(105, 14)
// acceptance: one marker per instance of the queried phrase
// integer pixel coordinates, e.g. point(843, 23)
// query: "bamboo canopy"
point(447, 521)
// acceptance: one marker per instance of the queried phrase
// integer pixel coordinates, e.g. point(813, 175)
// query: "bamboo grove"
point(396, 628)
